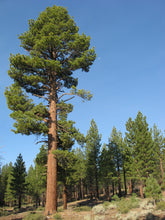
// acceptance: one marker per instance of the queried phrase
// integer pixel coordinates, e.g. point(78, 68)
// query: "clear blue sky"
point(127, 76)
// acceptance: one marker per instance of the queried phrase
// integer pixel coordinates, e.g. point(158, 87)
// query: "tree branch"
point(45, 141)
point(69, 99)
point(62, 128)
point(40, 96)
point(63, 95)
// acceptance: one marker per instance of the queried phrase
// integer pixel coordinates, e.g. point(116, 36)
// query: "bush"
point(115, 198)
point(153, 190)
point(106, 204)
point(60, 209)
point(3, 212)
point(82, 208)
point(124, 205)
point(133, 202)
point(57, 216)
point(160, 205)
point(40, 208)
point(134, 195)
point(34, 216)
point(163, 186)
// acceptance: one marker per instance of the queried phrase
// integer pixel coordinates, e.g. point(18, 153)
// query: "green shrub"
point(152, 189)
point(163, 186)
point(82, 208)
point(59, 209)
point(3, 212)
point(40, 208)
point(115, 198)
point(160, 205)
point(57, 216)
point(106, 204)
point(133, 202)
point(34, 216)
point(124, 205)
point(134, 195)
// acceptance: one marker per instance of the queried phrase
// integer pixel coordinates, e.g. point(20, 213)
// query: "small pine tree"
point(4, 173)
point(9, 198)
point(153, 190)
point(18, 184)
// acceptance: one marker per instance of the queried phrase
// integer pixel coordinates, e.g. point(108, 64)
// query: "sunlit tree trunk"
point(64, 197)
point(51, 194)
point(162, 171)
point(141, 190)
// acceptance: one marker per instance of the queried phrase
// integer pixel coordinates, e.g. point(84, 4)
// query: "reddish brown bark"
point(141, 191)
point(119, 182)
point(51, 193)
point(82, 189)
point(64, 197)
point(109, 193)
point(130, 187)
point(162, 171)
point(75, 193)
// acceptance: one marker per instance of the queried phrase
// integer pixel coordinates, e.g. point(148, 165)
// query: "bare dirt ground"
point(71, 214)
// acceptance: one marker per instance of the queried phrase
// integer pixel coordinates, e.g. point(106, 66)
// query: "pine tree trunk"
point(82, 189)
point(125, 182)
point(113, 188)
point(19, 201)
point(97, 188)
point(51, 194)
point(141, 190)
point(162, 171)
point(119, 182)
point(109, 193)
point(103, 190)
point(130, 186)
point(64, 197)
point(43, 200)
point(75, 193)
point(28, 199)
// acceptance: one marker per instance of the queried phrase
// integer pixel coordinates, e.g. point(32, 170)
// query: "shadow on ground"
point(151, 216)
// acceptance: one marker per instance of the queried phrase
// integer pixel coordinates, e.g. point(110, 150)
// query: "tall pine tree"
point(159, 147)
point(54, 50)
point(93, 145)
point(139, 140)
point(115, 149)
point(107, 171)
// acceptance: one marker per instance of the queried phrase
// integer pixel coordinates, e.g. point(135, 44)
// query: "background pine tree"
point(18, 185)
point(92, 152)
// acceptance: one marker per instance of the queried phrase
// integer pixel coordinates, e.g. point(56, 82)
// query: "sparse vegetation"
point(115, 198)
point(57, 216)
point(124, 205)
point(82, 208)
point(160, 205)
point(106, 204)
point(34, 216)
point(3, 212)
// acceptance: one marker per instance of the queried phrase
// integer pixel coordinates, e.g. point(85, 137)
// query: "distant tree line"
point(121, 166)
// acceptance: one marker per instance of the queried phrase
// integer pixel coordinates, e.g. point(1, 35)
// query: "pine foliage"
point(18, 184)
